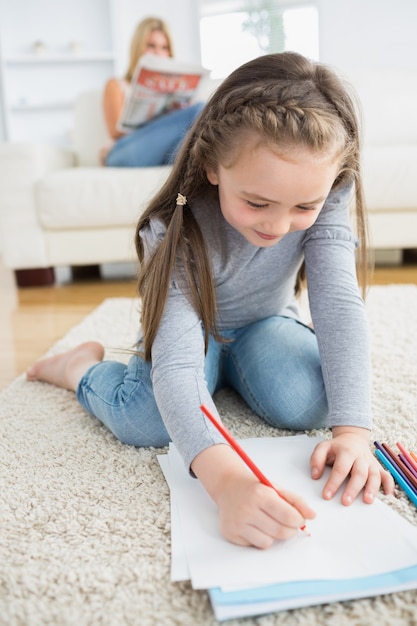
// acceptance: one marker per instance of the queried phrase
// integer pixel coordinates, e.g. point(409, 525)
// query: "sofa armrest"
point(22, 166)
point(27, 163)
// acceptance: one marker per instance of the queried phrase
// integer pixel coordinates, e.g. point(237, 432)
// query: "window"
point(235, 31)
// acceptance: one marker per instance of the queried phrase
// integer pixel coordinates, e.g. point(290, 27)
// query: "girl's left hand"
point(350, 456)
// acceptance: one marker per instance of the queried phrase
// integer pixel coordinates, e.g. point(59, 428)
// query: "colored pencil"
point(408, 455)
point(407, 463)
point(397, 463)
point(243, 455)
point(396, 475)
point(401, 467)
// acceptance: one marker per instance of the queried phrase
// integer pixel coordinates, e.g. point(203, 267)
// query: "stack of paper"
point(353, 552)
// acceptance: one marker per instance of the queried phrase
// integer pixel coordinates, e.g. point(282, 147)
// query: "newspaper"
point(159, 84)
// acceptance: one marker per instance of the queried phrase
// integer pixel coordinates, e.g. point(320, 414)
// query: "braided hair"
point(285, 101)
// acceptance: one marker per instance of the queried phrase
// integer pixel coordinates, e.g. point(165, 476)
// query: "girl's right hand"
point(250, 513)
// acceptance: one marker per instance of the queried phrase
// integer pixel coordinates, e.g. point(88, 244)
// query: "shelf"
point(44, 59)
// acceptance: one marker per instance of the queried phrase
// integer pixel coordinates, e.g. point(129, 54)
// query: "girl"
point(155, 142)
point(262, 184)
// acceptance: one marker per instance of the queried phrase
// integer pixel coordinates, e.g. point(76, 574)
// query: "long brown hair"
point(287, 100)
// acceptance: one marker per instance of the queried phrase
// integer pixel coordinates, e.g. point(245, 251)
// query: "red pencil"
point(240, 451)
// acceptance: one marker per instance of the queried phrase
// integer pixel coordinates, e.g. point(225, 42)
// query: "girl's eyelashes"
point(254, 205)
point(307, 208)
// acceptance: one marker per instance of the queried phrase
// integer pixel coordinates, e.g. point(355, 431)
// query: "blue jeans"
point(155, 143)
point(273, 364)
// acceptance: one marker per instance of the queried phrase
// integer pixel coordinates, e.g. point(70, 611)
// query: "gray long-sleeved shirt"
point(254, 283)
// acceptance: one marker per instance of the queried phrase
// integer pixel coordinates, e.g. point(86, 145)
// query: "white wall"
point(368, 34)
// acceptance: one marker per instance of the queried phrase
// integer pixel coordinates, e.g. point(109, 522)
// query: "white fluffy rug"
point(85, 520)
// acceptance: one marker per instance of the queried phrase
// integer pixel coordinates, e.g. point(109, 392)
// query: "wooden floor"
point(32, 319)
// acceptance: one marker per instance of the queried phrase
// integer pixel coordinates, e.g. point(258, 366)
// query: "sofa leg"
point(38, 277)
point(410, 256)
point(85, 272)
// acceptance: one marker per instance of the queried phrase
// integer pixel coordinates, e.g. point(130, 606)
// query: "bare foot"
point(66, 369)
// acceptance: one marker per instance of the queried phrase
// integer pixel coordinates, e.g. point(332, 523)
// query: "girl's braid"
point(281, 114)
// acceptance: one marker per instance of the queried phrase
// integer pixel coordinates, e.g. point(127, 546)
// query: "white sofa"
point(60, 208)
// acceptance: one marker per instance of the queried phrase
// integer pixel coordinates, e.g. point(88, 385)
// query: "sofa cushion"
point(91, 197)
point(89, 134)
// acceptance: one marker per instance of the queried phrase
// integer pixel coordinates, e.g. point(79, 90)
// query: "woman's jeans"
point(155, 143)
point(273, 364)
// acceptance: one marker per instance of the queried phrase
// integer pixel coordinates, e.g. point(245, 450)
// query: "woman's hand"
point(350, 456)
point(250, 513)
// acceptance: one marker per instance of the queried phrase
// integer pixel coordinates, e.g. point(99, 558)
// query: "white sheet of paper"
point(179, 564)
point(345, 542)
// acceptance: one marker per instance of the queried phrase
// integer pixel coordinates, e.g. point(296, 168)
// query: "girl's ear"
point(212, 176)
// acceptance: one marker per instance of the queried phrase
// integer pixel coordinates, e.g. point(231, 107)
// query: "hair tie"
point(181, 200)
